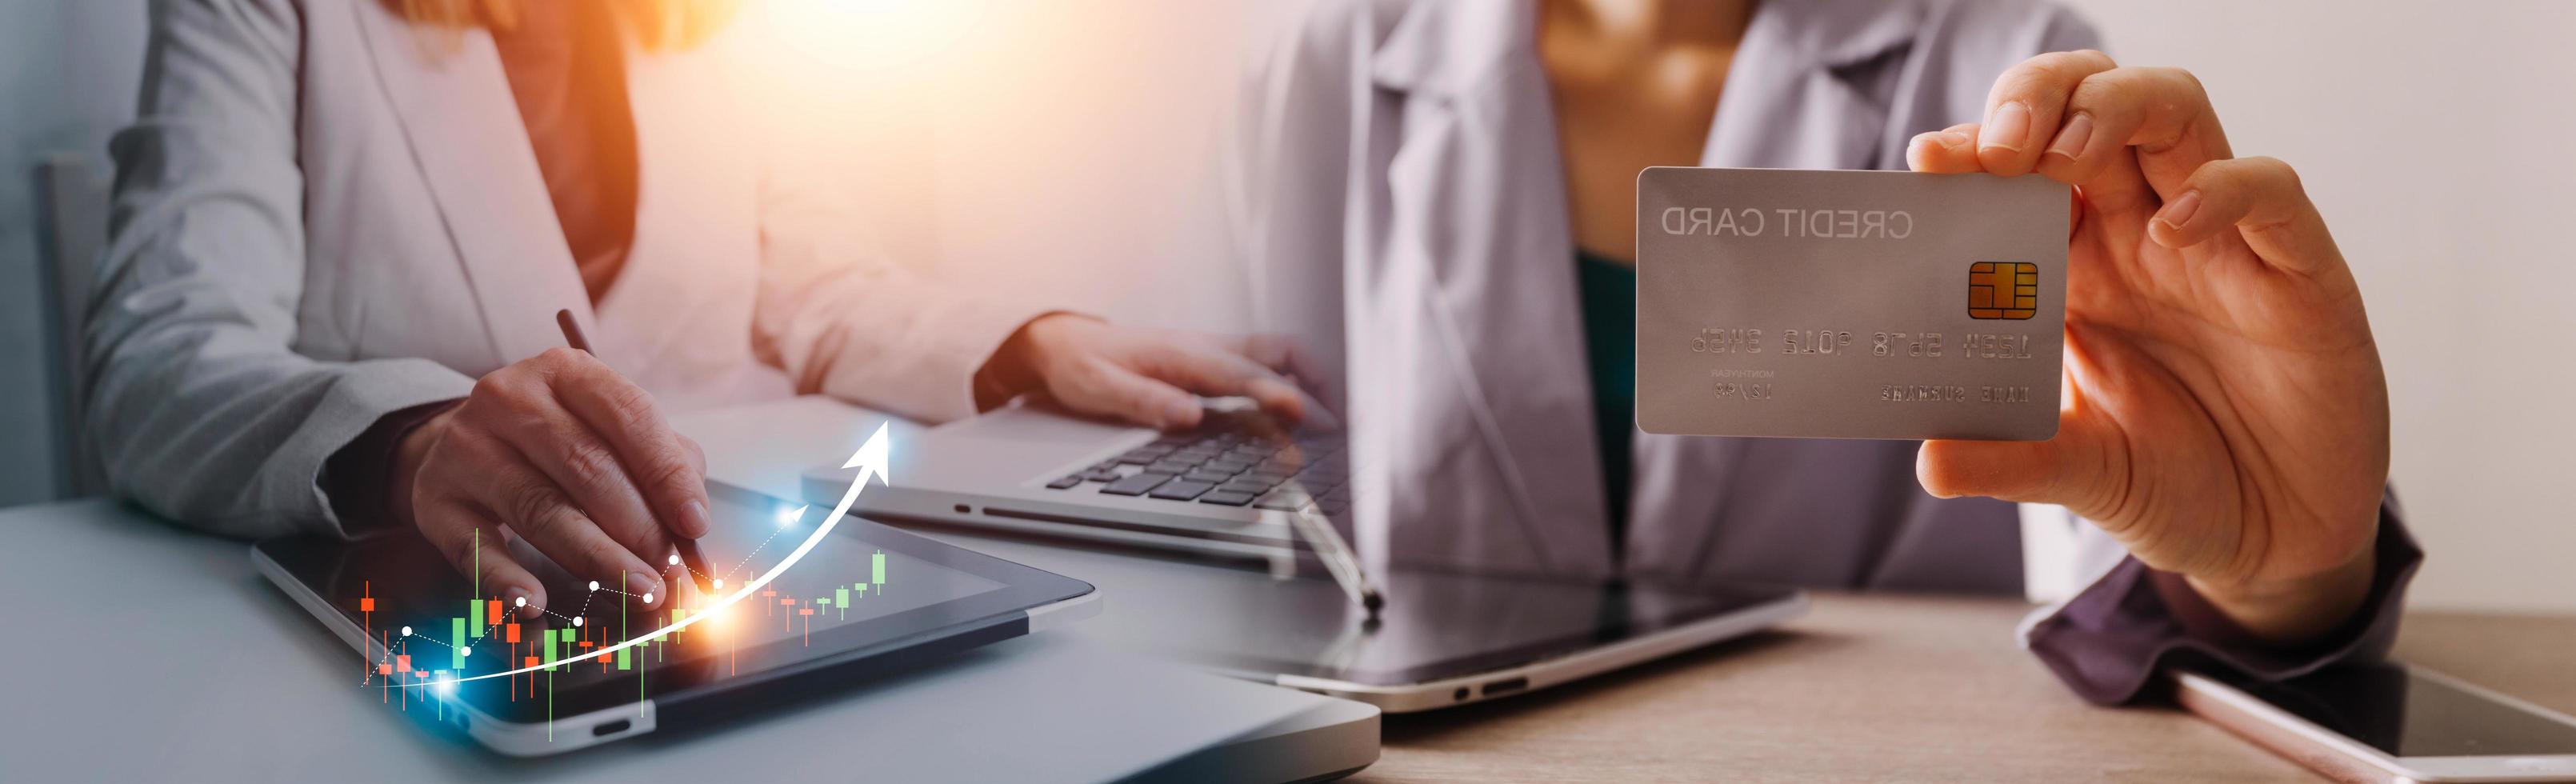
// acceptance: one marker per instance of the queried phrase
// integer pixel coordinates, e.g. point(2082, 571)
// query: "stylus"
point(695, 561)
point(1338, 558)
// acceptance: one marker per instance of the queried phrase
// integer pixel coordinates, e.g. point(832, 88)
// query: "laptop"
point(1227, 487)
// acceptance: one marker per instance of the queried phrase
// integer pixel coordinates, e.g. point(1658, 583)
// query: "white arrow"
point(871, 462)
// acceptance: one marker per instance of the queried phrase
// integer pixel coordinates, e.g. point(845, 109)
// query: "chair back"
point(71, 231)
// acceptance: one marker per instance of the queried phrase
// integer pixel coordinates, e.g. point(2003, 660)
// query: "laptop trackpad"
point(1007, 447)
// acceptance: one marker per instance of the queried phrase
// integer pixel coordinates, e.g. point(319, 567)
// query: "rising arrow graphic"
point(871, 462)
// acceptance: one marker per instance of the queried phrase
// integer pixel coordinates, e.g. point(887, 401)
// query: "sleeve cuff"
point(359, 401)
point(357, 479)
point(2109, 642)
point(931, 375)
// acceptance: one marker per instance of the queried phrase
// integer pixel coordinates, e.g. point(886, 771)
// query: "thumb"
point(2072, 470)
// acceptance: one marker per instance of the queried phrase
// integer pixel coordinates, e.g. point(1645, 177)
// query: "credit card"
point(1849, 304)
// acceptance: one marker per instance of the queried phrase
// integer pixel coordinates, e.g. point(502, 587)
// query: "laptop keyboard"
point(1226, 461)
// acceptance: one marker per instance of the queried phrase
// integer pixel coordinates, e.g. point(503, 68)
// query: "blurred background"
point(1071, 150)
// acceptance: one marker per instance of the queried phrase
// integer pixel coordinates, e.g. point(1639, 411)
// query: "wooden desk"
point(1894, 688)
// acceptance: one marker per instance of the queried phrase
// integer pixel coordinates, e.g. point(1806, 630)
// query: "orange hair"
point(658, 24)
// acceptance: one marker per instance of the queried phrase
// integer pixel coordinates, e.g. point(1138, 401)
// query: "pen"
point(695, 561)
point(1338, 558)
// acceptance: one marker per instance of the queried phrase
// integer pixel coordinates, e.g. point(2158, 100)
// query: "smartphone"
point(2389, 722)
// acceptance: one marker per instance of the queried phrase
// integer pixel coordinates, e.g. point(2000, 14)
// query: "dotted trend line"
point(666, 573)
point(746, 557)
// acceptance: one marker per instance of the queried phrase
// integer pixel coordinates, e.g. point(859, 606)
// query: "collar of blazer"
point(1449, 48)
point(464, 130)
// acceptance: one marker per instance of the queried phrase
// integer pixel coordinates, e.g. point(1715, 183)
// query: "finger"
point(624, 414)
point(2163, 112)
point(697, 454)
point(2082, 468)
point(2261, 199)
point(1288, 357)
point(2026, 105)
point(1951, 150)
point(1107, 389)
point(582, 465)
point(1321, 384)
point(1216, 372)
point(473, 543)
point(522, 498)
point(1298, 397)
point(2051, 472)
point(2119, 199)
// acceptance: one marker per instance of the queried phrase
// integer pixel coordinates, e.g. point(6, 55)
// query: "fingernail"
point(1952, 139)
point(2009, 128)
point(1180, 413)
point(2072, 139)
point(1277, 391)
point(699, 521)
point(522, 602)
point(2180, 211)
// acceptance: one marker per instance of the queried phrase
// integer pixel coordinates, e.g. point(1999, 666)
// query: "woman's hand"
point(2225, 415)
point(566, 454)
point(1149, 377)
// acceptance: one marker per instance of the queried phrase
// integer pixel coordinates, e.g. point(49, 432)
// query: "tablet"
point(1444, 638)
point(865, 599)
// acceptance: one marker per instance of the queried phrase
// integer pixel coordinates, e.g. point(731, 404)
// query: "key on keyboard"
point(1135, 485)
point(1231, 459)
point(1180, 490)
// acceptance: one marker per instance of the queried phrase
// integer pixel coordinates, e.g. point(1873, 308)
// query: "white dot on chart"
point(521, 602)
point(464, 651)
point(719, 582)
point(594, 585)
point(675, 559)
point(576, 621)
point(648, 598)
point(406, 631)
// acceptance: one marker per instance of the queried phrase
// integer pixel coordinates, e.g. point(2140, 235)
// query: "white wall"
point(2436, 137)
point(1077, 150)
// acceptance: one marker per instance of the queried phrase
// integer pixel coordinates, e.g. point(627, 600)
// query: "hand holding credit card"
point(1849, 304)
point(2203, 382)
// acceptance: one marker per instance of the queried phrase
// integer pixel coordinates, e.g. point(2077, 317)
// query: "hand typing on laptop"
point(1149, 377)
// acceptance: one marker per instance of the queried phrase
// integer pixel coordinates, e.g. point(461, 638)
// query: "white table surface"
point(137, 651)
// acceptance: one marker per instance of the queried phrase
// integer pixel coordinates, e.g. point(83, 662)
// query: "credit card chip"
point(2003, 290)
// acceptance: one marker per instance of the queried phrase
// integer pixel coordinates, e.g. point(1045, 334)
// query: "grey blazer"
point(324, 214)
point(1404, 204)
point(1404, 161)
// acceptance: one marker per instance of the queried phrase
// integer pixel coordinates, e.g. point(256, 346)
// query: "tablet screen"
point(435, 633)
point(1435, 625)
point(2403, 714)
